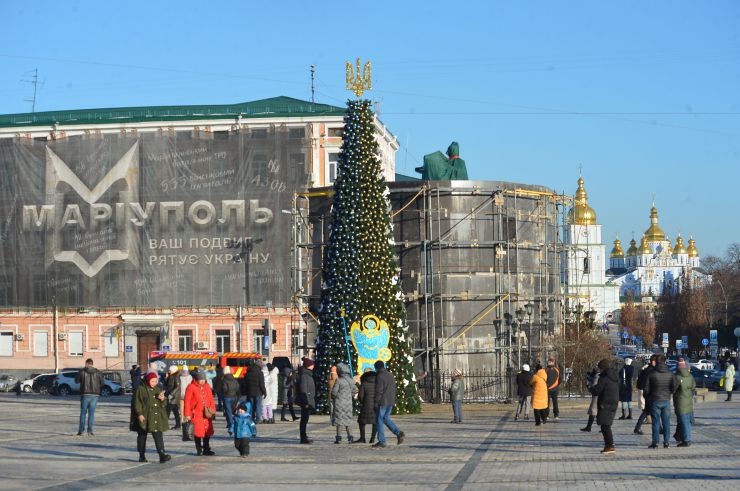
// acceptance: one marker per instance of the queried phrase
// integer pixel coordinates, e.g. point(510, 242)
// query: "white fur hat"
point(525, 367)
point(227, 370)
point(628, 361)
point(172, 369)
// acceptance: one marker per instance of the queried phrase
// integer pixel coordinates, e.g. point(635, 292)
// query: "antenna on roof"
point(35, 82)
point(313, 87)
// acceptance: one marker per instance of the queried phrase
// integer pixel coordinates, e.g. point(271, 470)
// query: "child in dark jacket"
point(243, 428)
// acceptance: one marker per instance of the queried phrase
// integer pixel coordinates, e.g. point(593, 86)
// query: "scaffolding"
point(480, 270)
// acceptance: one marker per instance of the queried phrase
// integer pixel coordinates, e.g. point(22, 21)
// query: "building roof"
point(274, 107)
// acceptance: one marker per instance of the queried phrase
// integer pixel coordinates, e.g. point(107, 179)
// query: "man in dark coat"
point(625, 388)
point(641, 383)
point(91, 383)
point(253, 387)
point(367, 415)
point(230, 390)
point(661, 384)
point(385, 399)
point(553, 385)
point(305, 395)
point(607, 391)
point(524, 391)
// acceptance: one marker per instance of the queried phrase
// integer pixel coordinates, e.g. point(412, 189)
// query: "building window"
point(296, 133)
point(295, 341)
point(5, 292)
point(223, 340)
point(258, 338)
point(335, 132)
point(585, 266)
point(185, 340)
point(40, 343)
point(259, 165)
point(332, 167)
point(39, 290)
point(75, 343)
point(111, 344)
point(6, 343)
point(259, 133)
point(297, 159)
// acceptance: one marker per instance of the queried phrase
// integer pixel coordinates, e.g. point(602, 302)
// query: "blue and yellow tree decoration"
point(361, 273)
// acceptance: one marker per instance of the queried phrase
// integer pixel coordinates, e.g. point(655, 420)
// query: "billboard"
point(154, 219)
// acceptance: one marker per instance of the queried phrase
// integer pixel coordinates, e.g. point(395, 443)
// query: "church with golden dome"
point(655, 266)
point(583, 262)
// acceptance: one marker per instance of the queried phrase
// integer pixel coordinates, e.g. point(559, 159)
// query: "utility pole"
point(35, 82)
point(313, 87)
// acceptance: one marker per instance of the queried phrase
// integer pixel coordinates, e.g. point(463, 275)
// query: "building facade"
point(135, 229)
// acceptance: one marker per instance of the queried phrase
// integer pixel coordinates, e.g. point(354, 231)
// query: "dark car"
point(710, 379)
point(43, 383)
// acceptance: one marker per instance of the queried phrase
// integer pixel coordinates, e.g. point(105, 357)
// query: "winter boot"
point(350, 439)
point(629, 413)
point(623, 415)
point(272, 420)
point(589, 424)
point(338, 439)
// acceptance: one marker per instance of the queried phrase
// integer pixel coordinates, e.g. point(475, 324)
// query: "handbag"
point(208, 413)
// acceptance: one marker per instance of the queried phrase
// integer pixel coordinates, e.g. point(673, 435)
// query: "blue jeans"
point(684, 426)
point(457, 411)
point(661, 411)
point(229, 410)
point(384, 419)
point(87, 407)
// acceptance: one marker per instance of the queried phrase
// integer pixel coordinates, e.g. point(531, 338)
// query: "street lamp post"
point(520, 319)
point(529, 309)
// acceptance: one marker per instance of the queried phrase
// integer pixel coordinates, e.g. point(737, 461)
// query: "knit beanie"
point(199, 375)
point(151, 375)
point(604, 364)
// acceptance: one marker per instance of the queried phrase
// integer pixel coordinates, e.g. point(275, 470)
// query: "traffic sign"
point(165, 347)
point(713, 336)
point(626, 335)
point(685, 341)
point(678, 344)
point(705, 341)
point(129, 349)
point(665, 343)
point(634, 338)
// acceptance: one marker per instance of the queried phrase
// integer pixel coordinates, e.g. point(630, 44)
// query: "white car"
point(65, 384)
point(703, 364)
point(27, 385)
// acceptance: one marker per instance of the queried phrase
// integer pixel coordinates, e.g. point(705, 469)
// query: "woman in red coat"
point(198, 397)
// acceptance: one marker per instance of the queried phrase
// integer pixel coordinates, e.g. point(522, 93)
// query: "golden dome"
point(617, 252)
point(670, 249)
point(644, 247)
point(692, 250)
point(581, 213)
point(679, 249)
point(654, 233)
point(632, 251)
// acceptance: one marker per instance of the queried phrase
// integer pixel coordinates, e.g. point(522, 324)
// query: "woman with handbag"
point(148, 415)
point(200, 409)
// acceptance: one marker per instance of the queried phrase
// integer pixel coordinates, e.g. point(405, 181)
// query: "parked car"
point(27, 385)
point(43, 384)
point(704, 364)
point(65, 384)
point(710, 378)
point(7, 382)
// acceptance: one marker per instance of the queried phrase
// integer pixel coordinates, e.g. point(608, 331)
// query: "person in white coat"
point(271, 398)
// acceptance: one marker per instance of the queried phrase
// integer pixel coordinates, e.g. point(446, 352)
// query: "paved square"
point(38, 450)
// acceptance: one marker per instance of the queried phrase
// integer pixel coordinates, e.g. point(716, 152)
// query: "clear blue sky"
point(657, 84)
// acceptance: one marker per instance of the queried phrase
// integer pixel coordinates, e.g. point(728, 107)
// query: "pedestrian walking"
point(148, 415)
point(523, 391)
point(288, 391)
point(342, 394)
point(305, 396)
point(607, 392)
point(173, 395)
point(135, 374)
point(385, 399)
point(242, 427)
point(230, 389)
point(641, 384)
point(592, 379)
point(729, 379)
point(270, 374)
point(661, 384)
point(253, 388)
point(683, 403)
point(553, 383)
point(185, 380)
point(457, 393)
point(368, 415)
point(625, 388)
point(91, 383)
point(200, 409)
point(539, 395)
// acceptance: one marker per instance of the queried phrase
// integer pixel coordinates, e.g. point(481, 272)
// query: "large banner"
point(156, 219)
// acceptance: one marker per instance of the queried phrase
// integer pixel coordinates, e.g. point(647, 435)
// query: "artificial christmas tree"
point(361, 273)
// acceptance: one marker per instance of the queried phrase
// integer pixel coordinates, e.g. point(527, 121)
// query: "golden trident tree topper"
point(356, 82)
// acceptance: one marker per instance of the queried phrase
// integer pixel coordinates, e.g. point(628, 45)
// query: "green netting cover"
point(438, 167)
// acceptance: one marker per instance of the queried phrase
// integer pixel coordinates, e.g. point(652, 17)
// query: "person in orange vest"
point(539, 395)
point(553, 382)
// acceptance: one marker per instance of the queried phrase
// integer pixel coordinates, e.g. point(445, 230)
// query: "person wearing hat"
point(625, 388)
point(305, 395)
point(231, 392)
point(148, 415)
point(642, 378)
point(592, 379)
point(553, 384)
point(524, 391)
point(457, 391)
point(200, 409)
point(607, 392)
point(172, 392)
point(683, 403)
